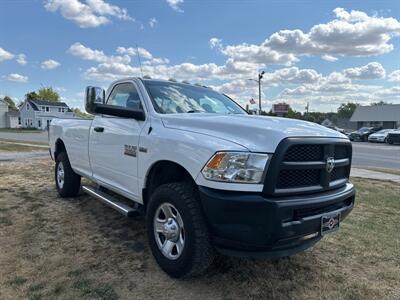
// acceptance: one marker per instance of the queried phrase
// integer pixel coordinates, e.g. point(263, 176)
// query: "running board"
point(113, 202)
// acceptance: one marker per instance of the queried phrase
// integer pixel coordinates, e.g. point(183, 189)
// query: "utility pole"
point(260, 76)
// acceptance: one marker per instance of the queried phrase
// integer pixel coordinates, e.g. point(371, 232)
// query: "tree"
point(379, 103)
point(10, 102)
point(47, 93)
point(31, 96)
point(292, 114)
point(346, 110)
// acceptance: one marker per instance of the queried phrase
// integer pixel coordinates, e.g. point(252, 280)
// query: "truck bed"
point(75, 134)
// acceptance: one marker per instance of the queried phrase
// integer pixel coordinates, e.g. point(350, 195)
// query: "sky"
point(319, 52)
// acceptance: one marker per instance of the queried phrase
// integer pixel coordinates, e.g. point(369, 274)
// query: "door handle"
point(99, 129)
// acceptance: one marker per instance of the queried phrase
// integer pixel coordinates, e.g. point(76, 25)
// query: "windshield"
point(384, 131)
point(173, 98)
point(364, 129)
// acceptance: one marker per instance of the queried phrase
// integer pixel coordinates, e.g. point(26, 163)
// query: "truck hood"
point(256, 133)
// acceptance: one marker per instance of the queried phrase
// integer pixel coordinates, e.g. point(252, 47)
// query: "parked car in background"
point(380, 136)
point(362, 134)
point(393, 137)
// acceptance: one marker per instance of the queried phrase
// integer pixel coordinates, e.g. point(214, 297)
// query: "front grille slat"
point(298, 178)
point(302, 166)
point(304, 153)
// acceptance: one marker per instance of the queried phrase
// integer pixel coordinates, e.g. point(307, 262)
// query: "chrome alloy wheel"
point(169, 231)
point(60, 175)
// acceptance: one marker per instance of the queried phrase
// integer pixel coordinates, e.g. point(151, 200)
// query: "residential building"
point(39, 113)
point(386, 116)
point(8, 116)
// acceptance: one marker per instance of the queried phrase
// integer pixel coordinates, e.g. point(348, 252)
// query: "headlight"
point(239, 167)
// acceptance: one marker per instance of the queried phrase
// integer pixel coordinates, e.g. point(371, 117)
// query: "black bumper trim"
point(251, 225)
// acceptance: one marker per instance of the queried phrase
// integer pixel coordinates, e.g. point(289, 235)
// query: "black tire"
point(72, 181)
point(197, 254)
point(389, 141)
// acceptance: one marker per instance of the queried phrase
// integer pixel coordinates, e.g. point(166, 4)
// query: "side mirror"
point(119, 111)
point(94, 96)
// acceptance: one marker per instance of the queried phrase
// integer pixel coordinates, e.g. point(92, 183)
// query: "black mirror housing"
point(93, 97)
point(119, 111)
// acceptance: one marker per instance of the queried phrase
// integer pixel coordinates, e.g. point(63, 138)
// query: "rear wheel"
point(67, 181)
point(178, 235)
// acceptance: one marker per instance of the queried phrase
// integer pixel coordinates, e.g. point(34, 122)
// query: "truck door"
point(113, 143)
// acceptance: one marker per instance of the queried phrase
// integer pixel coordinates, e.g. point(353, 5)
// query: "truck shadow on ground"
point(283, 276)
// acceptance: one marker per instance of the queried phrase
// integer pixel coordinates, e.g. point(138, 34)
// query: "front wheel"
point(67, 181)
point(178, 235)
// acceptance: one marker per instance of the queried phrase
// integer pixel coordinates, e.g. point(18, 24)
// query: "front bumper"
point(251, 225)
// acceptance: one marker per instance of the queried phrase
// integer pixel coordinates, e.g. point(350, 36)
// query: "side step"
point(113, 202)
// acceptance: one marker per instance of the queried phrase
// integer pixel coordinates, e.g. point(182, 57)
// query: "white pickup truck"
point(208, 176)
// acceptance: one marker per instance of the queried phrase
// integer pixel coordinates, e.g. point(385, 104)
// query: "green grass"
point(18, 281)
point(7, 146)
point(89, 288)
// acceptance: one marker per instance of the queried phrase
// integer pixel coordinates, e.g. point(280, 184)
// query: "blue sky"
point(321, 52)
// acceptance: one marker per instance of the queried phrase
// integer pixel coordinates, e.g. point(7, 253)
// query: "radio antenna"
point(140, 62)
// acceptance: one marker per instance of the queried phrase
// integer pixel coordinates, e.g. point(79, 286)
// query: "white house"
point(39, 113)
point(8, 117)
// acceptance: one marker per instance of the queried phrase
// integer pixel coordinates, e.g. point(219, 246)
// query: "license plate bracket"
point(330, 223)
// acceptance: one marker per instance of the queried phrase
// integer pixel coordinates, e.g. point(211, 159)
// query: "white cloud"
point(21, 59)
point(92, 14)
point(16, 77)
point(215, 43)
point(153, 22)
point(77, 49)
point(5, 55)
point(389, 93)
point(350, 34)
point(86, 53)
point(329, 58)
point(144, 54)
point(336, 78)
point(256, 54)
point(373, 70)
point(394, 76)
point(292, 75)
point(103, 8)
point(49, 64)
point(60, 89)
point(174, 4)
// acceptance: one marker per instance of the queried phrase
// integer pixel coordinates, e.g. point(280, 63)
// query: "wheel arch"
point(162, 172)
point(59, 147)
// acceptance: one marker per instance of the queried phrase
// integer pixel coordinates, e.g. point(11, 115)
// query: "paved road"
point(40, 137)
point(364, 154)
point(376, 155)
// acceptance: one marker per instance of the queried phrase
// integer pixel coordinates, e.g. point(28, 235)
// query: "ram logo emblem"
point(330, 164)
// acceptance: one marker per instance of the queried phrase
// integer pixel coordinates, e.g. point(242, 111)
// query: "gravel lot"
point(52, 248)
